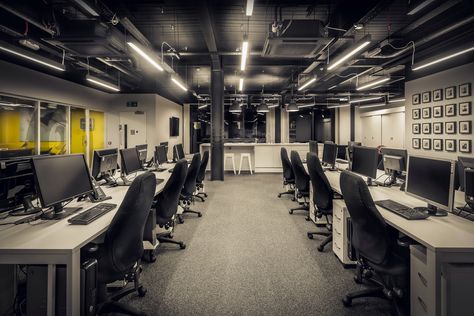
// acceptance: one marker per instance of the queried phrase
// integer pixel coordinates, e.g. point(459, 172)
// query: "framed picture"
point(438, 144)
point(438, 95)
point(465, 108)
point(426, 128)
point(426, 143)
point(416, 114)
point(464, 91)
point(415, 143)
point(438, 128)
point(426, 113)
point(465, 127)
point(438, 111)
point(450, 145)
point(426, 97)
point(450, 127)
point(450, 109)
point(450, 93)
point(465, 146)
point(415, 99)
point(415, 128)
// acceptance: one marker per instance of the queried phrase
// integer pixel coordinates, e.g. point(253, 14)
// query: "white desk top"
point(449, 233)
point(258, 144)
point(59, 236)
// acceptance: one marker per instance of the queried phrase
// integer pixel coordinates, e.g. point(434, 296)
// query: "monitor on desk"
point(431, 180)
point(160, 155)
point(365, 161)
point(313, 147)
point(469, 187)
point(341, 152)
point(60, 179)
point(104, 164)
point(13, 153)
point(394, 161)
point(165, 144)
point(350, 149)
point(142, 153)
point(130, 161)
point(463, 163)
point(178, 152)
point(329, 154)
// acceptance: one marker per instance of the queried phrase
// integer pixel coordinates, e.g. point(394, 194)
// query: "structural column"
point(352, 122)
point(217, 124)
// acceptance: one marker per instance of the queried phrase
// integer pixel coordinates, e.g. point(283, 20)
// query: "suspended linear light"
point(249, 8)
point(235, 107)
point(142, 53)
point(373, 105)
point(373, 83)
point(241, 84)
point(270, 106)
point(102, 83)
point(292, 107)
point(442, 59)
point(86, 7)
point(421, 5)
point(203, 106)
point(4, 46)
point(179, 84)
point(306, 105)
point(396, 100)
point(245, 49)
point(307, 83)
point(361, 44)
point(336, 106)
point(365, 99)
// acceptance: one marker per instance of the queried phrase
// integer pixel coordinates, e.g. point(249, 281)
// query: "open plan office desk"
point(59, 243)
point(441, 266)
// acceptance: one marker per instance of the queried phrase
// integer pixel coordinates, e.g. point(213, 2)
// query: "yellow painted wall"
point(10, 133)
point(97, 135)
point(78, 136)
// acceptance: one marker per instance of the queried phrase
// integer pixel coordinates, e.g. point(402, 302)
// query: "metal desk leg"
point(51, 296)
point(73, 284)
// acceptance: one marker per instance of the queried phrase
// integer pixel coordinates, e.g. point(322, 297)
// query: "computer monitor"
point(104, 164)
point(178, 152)
point(431, 180)
point(59, 179)
point(142, 153)
point(469, 187)
point(313, 147)
point(17, 186)
point(130, 163)
point(160, 155)
point(463, 163)
point(13, 153)
point(394, 161)
point(350, 149)
point(364, 162)
point(329, 154)
point(165, 144)
point(341, 152)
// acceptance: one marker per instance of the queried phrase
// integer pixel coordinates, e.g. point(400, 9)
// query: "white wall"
point(343, 125)
point(285, 128)
point(440, 80)
point(164, 110)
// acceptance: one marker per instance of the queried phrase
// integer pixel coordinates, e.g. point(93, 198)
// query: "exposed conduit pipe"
point(26, 18)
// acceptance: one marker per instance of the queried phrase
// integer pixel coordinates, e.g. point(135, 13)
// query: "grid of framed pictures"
point(449, 120)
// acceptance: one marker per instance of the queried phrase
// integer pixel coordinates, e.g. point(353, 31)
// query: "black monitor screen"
point(329, 153)
point(130, 160)
point(16, 181)
point(365, 161)
point(160, 155)
point(165, 144)
point(61, 178)
point(402, 153)
point(341, 151)
point(463, 163)
point(174, 126)
point(430, 179)
point(313, 147)
point(12, 153)
point(179, 152)
point(469, 186)
point(142, 151)
point(104, 160)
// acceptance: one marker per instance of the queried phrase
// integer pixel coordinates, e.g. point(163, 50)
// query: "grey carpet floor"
point(248, 256)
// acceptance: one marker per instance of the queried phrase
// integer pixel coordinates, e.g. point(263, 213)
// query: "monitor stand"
point(431, 210)
point(60, 212)
point(371, 183)
point(125, 180)
point(28, 208)
point(110, 181)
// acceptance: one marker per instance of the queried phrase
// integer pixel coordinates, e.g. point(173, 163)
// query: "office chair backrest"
point(288, 173)
point(124, 236)
point(301, 176)
point(166, 203)
point(190, 182)
point(322, 191)
point(370, 234)
point(202, 167)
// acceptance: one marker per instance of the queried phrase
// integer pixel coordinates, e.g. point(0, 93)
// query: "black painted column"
point(352, 123)
point(217, 124)
point(277, 125)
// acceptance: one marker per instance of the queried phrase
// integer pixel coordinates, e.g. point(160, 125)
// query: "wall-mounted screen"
point(174, 126)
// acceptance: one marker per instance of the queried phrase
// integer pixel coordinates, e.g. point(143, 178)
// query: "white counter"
point(265, 157)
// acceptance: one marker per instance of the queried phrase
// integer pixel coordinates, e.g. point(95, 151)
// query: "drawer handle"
point(422, 303)
point(422, 279)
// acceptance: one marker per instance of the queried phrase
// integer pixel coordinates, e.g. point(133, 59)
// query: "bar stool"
point(247, 156)
point(232, 157)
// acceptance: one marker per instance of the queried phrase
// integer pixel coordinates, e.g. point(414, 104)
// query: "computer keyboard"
point(159, 169)
point(402, 210)
point(92, 214)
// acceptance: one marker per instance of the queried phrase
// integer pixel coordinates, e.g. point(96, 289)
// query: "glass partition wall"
point(30, 127)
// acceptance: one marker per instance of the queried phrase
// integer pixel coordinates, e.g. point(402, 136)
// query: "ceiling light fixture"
point(245, 49)
point(292, 107)
point(4, 46)
point(241, 84)
point(203, 106)
point(336, 106)
point(396, 100)
point(442, 59)
point(179, 84)
point(373, 83)
point(142, 53)
point(86, 7)
point(235, 108)
point(306, 105)
point(421, 5)
point(364, 99)
point(249, 8)
point(307, 83)
point(361, 44)
point(373, 105)
point(102, 83)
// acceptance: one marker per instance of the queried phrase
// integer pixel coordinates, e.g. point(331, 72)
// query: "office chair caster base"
point(310, 235)
point(141, 291)
point(347, 301)
point(182, 245)
point(320, 248)
point(150, 256)
point(199, 214)
point(358, 280)
point(307, 218)
point(290, 211)
point(293, 199)
point(180, 219)
point(279, 195)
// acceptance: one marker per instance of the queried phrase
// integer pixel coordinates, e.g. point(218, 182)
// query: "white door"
point(393, 130)
point(371, 130)
point(132, 129)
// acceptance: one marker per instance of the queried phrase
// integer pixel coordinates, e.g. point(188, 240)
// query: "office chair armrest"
point(90, 248)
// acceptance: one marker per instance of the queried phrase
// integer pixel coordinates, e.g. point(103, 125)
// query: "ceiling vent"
point(298, 38)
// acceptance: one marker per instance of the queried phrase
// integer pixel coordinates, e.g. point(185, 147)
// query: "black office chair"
point(323, 196)
point(119, 255)
point(201, 176)
point(301, 182)
point(381, 259)
point(166, 204)
point(288, 174)
point(189, 187)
